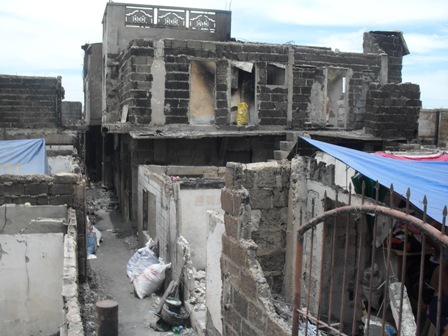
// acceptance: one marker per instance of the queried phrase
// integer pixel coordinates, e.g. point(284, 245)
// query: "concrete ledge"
point(70, 291)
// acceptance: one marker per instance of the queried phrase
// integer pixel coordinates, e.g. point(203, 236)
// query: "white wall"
point(31, 284)
point(18, 217)
point(165, 208)
point(63, 164)
point(213, 276)
point(342, 173)
point(194, 204)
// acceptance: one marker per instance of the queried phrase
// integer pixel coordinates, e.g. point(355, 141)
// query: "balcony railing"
point(160, 17)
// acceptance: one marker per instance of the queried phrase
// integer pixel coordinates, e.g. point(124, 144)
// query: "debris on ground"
point(282, 307)
point(198, 296)
point(100, 198)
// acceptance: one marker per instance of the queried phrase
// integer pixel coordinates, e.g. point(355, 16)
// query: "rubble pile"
point(100, 198)
point(197, 297)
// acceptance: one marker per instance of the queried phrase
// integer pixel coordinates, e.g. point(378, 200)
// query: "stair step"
point(292, 136)
point(287, 146)
point(280, 155)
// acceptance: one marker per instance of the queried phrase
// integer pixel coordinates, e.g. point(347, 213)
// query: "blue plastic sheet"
point(19, 157)
point(423, 178)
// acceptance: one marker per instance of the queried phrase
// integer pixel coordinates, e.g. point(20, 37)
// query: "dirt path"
point(107, 273)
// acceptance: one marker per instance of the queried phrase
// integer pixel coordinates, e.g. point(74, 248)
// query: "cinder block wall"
point(131, 80)
point(59, 189)
point(71, 113)
point(246, 302)
point(132, 74)
point(443, 128)
point(393, 110)
point(30, 102)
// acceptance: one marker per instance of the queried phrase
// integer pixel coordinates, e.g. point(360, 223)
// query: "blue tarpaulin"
point(423, 178)
point(23, 157)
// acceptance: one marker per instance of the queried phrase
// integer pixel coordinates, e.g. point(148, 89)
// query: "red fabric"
point(434, 157)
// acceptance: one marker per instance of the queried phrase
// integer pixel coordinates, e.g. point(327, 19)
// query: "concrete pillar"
point(106, 313)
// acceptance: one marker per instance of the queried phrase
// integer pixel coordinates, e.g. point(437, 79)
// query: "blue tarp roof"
point(422, 177)
point(23, 157)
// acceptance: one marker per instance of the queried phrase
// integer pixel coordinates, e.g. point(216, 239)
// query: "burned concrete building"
point(203, 140)
point(179, 94)
point(172, 80)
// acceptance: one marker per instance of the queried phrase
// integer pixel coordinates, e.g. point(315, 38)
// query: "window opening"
point(276, 74)
point(242, 89)
point(202, 92)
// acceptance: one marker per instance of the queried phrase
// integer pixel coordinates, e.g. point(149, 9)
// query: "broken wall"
point(195, 200)
point(38, 263)
point(393, 110)
point(30, 102)
point(247, 298)
point(60, 189)
point(313, 191)
point(392, 44)
point(181, 149)
point(216, 229)
point(163, 219)
point(173, 201)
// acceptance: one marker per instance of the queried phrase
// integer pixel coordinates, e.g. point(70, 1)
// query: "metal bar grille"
point(344, 291)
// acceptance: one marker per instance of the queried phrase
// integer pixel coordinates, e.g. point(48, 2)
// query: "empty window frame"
point(336, 107)
point(276, 74)
point(242, 89)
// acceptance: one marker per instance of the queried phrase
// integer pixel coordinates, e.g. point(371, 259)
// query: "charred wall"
point(30, 102)
point(71, 113)
point(283, 84)
point(393, 110)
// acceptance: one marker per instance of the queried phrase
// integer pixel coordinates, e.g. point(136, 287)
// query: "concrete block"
point(231, 201)
point(266, 177)
point(235, 253)
point(248, 285)
point(280, 197)
point(277, 327)
point(61, 189)
point(232, 225)
point(255, 315)
point(280, 155)
point(234, 174)
point(36, 188)
point(287, 146)
point(240, 303)
point(233, 319)
point(10, 188)
point(65, 178)
point(42, 199)
point(261, 198)
point(60, 200)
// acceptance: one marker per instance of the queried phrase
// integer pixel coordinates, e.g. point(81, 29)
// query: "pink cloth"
point(434, 157)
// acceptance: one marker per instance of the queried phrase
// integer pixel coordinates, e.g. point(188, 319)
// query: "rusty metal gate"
point(353, 276)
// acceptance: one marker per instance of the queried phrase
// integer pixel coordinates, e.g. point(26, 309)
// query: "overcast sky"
point(44, 38)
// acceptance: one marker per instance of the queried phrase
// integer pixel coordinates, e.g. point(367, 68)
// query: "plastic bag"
point(242, 115)
point(99, 236)
point(150, 280)
point(141, 259)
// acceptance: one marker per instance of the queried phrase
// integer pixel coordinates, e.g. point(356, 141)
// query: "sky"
point(44, 38)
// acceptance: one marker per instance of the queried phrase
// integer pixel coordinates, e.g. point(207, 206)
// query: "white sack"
point(150, 280)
